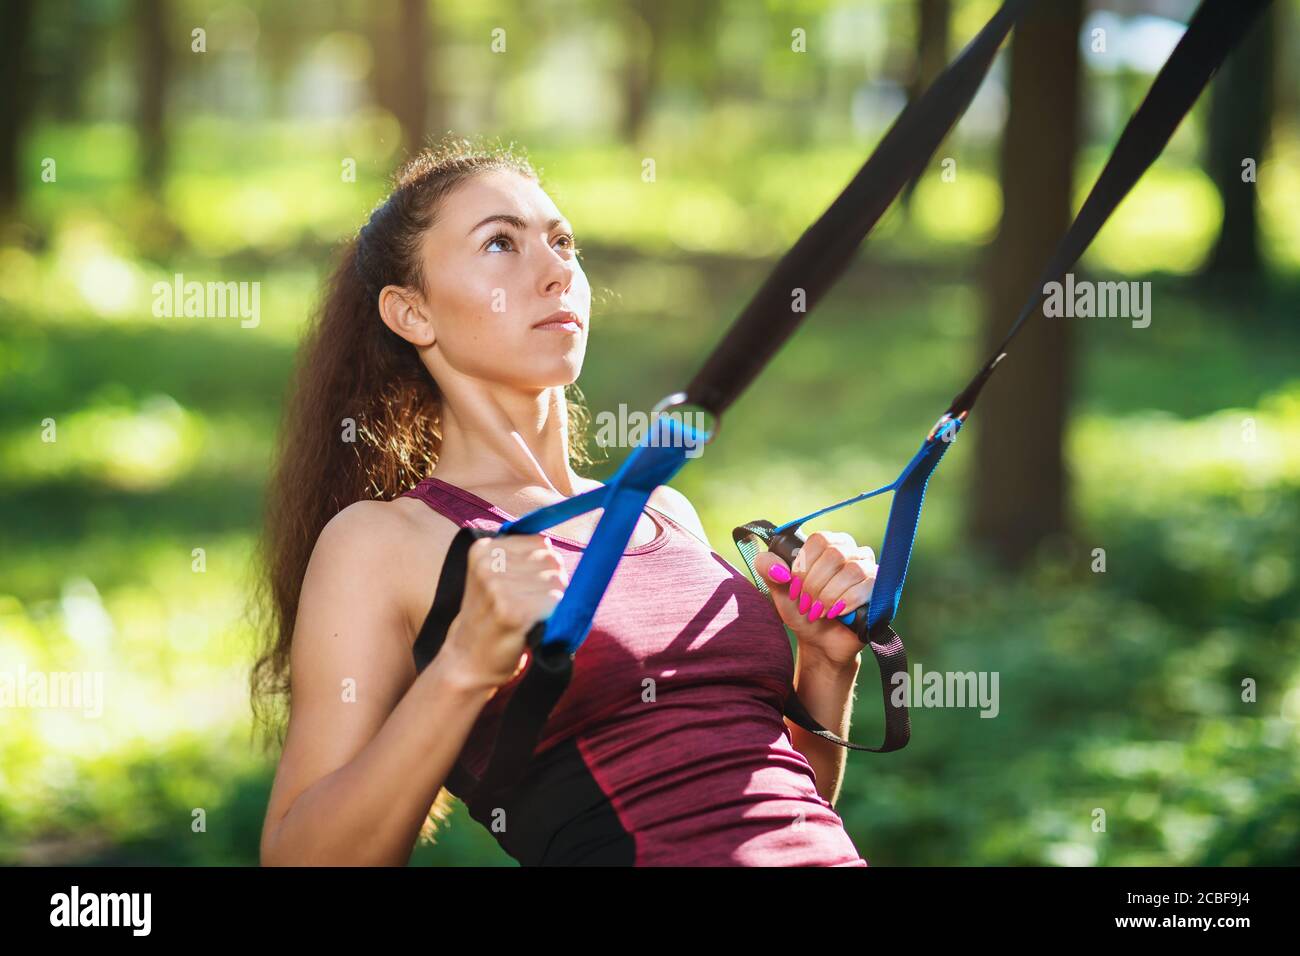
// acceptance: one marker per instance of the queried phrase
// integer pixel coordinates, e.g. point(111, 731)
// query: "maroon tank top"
point(668, 748)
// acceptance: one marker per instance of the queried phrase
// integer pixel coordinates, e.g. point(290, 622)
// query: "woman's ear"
point(403, 312)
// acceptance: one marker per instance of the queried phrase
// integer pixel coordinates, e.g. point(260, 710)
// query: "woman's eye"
point(567, 241)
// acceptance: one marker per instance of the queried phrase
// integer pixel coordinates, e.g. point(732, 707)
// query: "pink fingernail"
point(815, 611)
point(835, 610)
point(804, 603)
point(779, 573)
point(795, 587)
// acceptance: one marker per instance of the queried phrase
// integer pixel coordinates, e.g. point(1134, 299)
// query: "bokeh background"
point(1174, 448)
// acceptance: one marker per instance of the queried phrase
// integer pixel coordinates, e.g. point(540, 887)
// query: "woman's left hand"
point(831, 576)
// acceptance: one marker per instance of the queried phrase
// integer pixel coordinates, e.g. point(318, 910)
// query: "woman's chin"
point(568, 370)
point(555, 377)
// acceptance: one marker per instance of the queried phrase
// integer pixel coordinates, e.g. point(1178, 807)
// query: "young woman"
point(433, 393)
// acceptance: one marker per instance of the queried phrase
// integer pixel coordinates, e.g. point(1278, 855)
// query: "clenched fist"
point(511, 583)
point(831, 576)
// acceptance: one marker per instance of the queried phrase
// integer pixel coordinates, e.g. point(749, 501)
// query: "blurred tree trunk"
point(67, 72)
point(932, 19)
point(153, 72)
point(643, 30)
point(932, 38)
point(412, 100)
point(1020, 481)
point(15, 41)
point(1241, 111)
point(400, 78)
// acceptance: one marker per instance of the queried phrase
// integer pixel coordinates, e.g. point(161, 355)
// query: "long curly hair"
point(351, 365)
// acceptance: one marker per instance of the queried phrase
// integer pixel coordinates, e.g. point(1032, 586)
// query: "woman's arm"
point(826, 690)
point(831, 575)
point(369, 743)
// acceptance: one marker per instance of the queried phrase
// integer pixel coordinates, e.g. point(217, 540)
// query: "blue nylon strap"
point(836, 507)
point(900, 530)
point(623, 498)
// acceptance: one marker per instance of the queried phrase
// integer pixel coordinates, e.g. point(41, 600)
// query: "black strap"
point(829, 245)
point(447, 598)
point(826, 248)
point(544, 681)
point(889, 652)
point(1215, 28)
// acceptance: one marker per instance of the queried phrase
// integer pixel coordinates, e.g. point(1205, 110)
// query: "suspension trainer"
point(812, 266)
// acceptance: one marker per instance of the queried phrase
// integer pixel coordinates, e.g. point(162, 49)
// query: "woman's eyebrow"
point(513, 221)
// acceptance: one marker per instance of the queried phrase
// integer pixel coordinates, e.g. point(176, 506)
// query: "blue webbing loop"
point(904, 516)
point(652, 463)
point(900, 529)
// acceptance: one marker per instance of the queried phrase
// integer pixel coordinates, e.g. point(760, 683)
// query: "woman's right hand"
point(511, 583)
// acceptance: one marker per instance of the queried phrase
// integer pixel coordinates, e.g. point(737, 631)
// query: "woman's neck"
point(508, 439)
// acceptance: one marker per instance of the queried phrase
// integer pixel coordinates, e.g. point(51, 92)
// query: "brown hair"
point(351, 365)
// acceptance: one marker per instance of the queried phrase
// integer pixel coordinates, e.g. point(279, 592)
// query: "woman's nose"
point(557, 273)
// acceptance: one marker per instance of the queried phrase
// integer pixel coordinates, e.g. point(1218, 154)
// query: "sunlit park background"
point(1127, 564)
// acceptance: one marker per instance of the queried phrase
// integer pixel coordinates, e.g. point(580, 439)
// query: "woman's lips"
point(565, 325)
point(562, 321)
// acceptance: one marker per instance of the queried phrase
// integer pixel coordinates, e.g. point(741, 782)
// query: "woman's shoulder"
point(678, 507)
point(369, 525)
point(396, 546)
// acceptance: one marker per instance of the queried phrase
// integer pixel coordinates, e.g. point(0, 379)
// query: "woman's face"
point(499, 262)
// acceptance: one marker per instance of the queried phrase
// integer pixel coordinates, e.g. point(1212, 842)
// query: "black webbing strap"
point(447, 599)
point(886, 646)
point(892, 658)
point(829, 245)
point(1215, 28)
point(824, 251)
point(532, 699)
